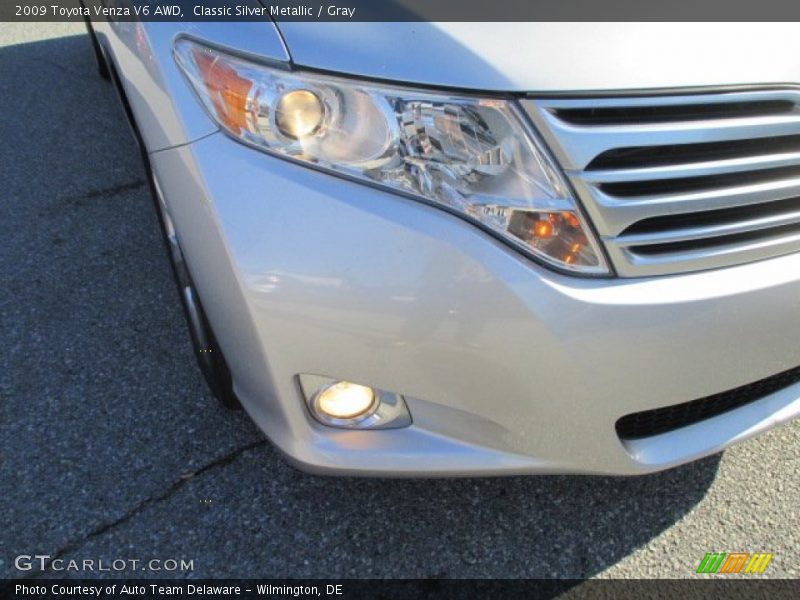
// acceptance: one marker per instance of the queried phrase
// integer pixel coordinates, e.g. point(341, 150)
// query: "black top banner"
point(400, 10)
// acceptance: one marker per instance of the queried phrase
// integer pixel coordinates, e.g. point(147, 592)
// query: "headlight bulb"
point(299, 114)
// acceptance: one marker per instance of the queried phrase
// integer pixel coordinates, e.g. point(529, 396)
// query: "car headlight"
point(473, 155)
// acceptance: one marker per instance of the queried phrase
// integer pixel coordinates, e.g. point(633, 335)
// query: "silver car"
point(412, 249)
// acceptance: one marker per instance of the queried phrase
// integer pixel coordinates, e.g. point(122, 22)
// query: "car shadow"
point(111, 440)
point(568, 527)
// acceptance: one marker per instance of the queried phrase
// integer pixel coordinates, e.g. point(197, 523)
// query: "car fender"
point(163, 103)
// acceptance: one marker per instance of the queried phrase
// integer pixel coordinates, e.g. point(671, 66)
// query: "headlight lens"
point(474, 155)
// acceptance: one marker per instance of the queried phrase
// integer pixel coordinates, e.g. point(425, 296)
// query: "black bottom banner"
point(248, 589)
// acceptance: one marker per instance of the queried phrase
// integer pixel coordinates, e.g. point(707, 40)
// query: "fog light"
point(345, 400)
point(348, 405)
point(299, 114)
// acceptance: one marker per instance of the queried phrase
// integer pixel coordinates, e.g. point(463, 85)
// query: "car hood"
point(551, 56)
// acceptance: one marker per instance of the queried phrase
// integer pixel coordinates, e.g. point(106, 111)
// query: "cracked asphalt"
point(112, 447)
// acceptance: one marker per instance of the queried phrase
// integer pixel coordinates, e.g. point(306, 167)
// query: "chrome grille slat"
point(697, 233)
point(580, 144)
point(721, 256)
point(556, 103)
point(668, 163)
point(696, 169)
point(613, 215)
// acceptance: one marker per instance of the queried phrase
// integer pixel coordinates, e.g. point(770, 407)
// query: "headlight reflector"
point(475, 156)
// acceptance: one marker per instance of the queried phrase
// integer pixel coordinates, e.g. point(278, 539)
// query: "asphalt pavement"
point(112, 447)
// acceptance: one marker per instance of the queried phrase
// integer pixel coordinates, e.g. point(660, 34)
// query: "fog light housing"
point(349, 405)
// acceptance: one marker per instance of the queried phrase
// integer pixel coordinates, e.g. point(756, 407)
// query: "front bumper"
point(506, 366)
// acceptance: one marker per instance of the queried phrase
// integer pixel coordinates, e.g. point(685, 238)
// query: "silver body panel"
point(506, 366)
point(552, 57)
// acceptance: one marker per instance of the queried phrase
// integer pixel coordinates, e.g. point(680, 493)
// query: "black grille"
point(717, 217)
point(770, 233)
point(627, 189)
point(678, 154)
point(618, 115)
point(661, 420)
